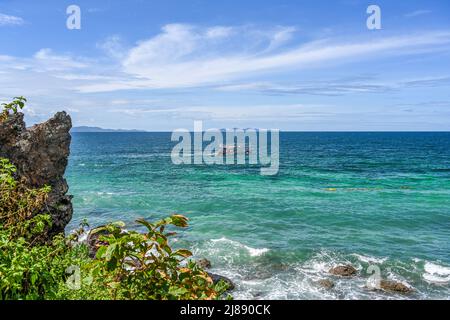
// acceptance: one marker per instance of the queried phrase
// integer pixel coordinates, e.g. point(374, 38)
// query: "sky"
point(289, 65)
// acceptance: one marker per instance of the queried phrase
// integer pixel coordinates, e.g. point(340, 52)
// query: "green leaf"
point(179, 220)
point(177, 291)
point(101, 252)
point(145, 223)
point(110, 251)
point(183, 253)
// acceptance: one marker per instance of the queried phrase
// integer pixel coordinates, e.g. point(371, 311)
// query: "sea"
point(378, 201)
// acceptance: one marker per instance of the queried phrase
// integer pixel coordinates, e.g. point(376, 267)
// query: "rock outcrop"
point(343, 271)
point(40, 154)
point(394, 286)
point(204, 263)
point(93, 240)
point(326, 284)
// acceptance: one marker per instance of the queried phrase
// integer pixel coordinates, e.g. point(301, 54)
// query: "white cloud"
point(7, 20)
point(84, 77)
point(242, 58)
point(47, 60)
point(4, 58)
point(337, 87)
point(230, 112)
point(113, 46)
point(281, 36)
point(417, 13)
point(219, 32)
point(43, 60)
point(133, 102)
point(184, 56)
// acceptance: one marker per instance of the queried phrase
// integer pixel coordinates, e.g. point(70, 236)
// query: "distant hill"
point(98, 129)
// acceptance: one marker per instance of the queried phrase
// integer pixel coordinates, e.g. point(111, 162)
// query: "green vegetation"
point(17, 104)
point(128, 264)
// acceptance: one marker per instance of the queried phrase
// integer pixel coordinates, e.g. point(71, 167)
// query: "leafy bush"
point(19, 204)
point(17, 104)
point(32, 271)
point(143, 266)
point(129, 265)
point(29, 268)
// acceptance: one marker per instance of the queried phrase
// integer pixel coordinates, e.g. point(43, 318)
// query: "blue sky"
point(291, 65)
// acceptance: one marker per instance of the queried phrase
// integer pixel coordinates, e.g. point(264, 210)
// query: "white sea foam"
point(112, 193)
point(435, 273)
point(83, 237)
point(256, 252)
point(106, 193)
point(368, 259)
point(437, 269)
point(256, 279)
point(253, 252)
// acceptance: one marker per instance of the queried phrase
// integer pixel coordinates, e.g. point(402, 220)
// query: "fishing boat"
point(233, 149)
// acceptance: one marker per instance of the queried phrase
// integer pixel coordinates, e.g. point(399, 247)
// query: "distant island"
point(98, 129)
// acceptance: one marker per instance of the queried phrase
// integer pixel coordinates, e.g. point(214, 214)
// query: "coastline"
point(323, 209)
point(256, 265)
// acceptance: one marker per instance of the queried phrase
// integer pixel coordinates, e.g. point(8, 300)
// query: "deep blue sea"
point(380, 199)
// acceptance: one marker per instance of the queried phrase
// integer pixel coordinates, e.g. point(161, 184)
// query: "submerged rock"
point(216, 278)
point(343, 271)
point(280, 266)
point(394, 286)
point(204, 263)
point(40, 154)
point(326, 284)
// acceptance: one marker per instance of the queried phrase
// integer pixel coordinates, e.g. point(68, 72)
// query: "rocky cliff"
point(40, 154)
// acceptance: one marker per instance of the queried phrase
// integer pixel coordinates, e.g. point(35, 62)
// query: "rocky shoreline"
point(337, 272)
point(41, 153)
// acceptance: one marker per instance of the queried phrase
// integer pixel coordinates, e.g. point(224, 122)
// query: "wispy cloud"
point(338, 87)
point(184, 56)
point(7, 20)
point(428, 82)
point(223, 57)
point(417, 13)
point(320, 88)
point(226, 58)
point(230, 112)
point(113, 46)
point(46, 59)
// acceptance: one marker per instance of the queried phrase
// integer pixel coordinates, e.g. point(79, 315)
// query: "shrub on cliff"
point(29, 268)
point(20, 205)
point(129, 265)
point(14, 106)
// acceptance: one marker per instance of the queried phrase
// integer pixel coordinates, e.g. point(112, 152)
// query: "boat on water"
point(233, 149)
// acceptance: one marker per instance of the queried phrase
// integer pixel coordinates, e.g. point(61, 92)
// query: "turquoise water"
point(366, 198)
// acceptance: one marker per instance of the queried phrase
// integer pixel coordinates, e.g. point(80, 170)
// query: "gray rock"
point(40, 154)
point(93, 240)
point(394, 286)
point(343, 271)
point(204, 263)
point(216, 278)
point(326, 284)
